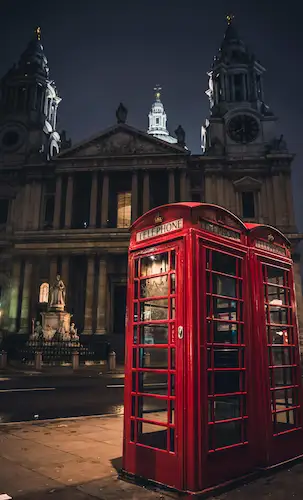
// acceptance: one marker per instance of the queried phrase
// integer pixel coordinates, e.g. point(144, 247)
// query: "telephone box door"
point(278, 327)
point(154, 365)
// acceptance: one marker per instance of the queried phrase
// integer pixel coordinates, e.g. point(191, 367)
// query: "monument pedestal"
point(55, 320)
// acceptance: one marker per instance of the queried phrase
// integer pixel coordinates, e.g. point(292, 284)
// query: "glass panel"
point(275, 275)
point(225, 309)
point(153, 358)
point(154, 287)
point(132, 430)
point(280, 355)
point(172, 308)
point(153, 382)
point(172, 359)
point(135, 312)
point(226, 407)
point(227, 358)
point(154, 334)
point(173, 259)
point(134, 382)
point(230, 333)
point(154, 264)
point(154, 310)
point(222, 285)
point(153, 409)
point(172, 412)
point(172, 439)
point(284, 398)
point(172, 283)
point(226, 382)
point(277, 296)
point(136, 268)
point(172, 385)
point(278, 335)
point(135, 334)
point(285, 420)
point(226, 434)
point(136, 289)
point(281, 377)
point(278, 315)
point(152, 435)
point(134, 358)
point(224, 263)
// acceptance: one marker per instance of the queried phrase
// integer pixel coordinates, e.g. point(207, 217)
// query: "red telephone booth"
point(212, 375)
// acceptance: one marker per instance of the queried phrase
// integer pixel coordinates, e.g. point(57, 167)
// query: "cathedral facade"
point(67, 209)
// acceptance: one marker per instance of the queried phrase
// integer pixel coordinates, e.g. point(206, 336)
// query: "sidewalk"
point(59, 371)
point(78, 460)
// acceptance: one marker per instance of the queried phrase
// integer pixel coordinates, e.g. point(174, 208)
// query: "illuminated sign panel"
point(269, 247)
point(219, 230)
point(165, 228)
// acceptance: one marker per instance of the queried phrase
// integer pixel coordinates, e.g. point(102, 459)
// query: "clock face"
point(243, 128)
point(12, 137)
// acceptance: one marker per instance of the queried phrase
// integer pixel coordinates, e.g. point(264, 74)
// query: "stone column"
point(289, 201)
point(104, 200)
point(65, 270)
point(36, 205)
point(14, 296)
point(24, 321)
point(26, 206)
point(183, 186)
point(208, 189)
point(146, 194)
point(134, 196)
point(171, 186)
point(93, 200)
point(58, 196)
point(69, 202)
point(89, 295)
point(102, 296)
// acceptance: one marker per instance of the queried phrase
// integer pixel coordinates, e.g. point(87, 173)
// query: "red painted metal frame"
point(195, 467)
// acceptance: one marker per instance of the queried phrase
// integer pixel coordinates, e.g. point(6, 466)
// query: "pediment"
point(121, 140)
point(247, 183)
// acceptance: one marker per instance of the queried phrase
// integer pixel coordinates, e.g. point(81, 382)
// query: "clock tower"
point(28, 109)
point(240, 122)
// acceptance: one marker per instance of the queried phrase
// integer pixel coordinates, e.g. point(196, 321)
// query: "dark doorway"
point(119, 308)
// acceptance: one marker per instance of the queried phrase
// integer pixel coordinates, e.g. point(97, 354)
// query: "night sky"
point(103, 52)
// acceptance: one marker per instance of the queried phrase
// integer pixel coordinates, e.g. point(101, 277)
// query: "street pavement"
point(79, 459)
point(59, 394)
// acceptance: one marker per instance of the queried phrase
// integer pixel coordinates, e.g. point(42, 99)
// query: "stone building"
point(67, 209)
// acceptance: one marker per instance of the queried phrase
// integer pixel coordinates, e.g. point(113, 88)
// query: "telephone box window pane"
point(154, 264)
point(222, 285)
point(154, 310)
point(154, 334)
point(154, 287)
point(172, 439)
point(224, 263)
point(172, 359)
point(275, 275)
point(226, 434)
point(172, 385)
point(152, 435)
point(134, 380)
point(135, 334)
point(284, 420)
point(225, 309)
point(136, 289)
point(172, 283)
point(153, 382)
point(227, 358)
point(280, 355)
point(281, 377)
point(227, 333)
point(135, 312)
point(277, 296)
point(153, 409)
point(136, 268)
point(134, 358)
point(226, 382)
point(278, 315)
point(172, 308)
point(278, 335)
point(226, 407)
point(133, 406)
point(153, 358)
point(173, 260)
point(172, 412)
point(283, 398)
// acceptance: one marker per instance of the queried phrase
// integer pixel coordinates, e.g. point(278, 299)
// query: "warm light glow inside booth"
point(212, 373)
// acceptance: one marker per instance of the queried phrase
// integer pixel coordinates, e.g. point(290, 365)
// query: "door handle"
point(180, 332)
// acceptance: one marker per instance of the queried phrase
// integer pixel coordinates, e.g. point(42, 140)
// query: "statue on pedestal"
point(38, 331)
point(57, 295)
point(73, 332)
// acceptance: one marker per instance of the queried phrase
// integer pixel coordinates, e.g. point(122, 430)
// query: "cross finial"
point(157, 90)
point(38, 33)
point(230, 18)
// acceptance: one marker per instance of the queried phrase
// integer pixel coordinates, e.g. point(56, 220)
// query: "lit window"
point(44, 292)
point(124, 209)
point(248, 205)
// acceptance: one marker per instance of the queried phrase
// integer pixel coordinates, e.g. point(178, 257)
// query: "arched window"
point(44, 291)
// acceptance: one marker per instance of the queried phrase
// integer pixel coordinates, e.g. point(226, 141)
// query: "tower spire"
point(157, 119)
point(230, 18)
point(38, 33)
point(157, 90)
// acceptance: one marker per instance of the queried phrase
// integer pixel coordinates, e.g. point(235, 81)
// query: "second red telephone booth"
point(212, 375)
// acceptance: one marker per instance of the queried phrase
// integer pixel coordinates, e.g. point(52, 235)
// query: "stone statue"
point(121, 113)
point(57, 295)
point(38, 331)
point(48, 333)
point(73, 332)
point(180, 134)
